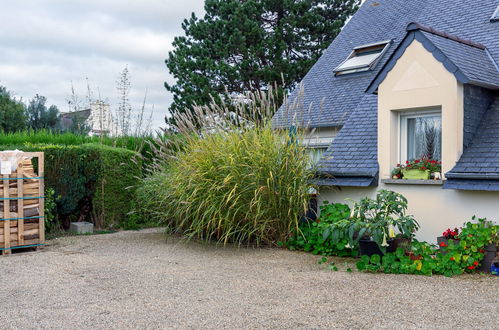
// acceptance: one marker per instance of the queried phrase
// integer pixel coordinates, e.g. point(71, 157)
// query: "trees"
point(39, 117)
point(12, 116)
point(242, 46)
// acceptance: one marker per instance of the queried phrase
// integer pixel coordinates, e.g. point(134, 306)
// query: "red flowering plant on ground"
point(423, 164)
point(473, 239)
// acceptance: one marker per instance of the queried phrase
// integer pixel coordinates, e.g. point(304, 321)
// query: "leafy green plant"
point(327, 235)
point(51, 223)
point(376, 219)
point(426, 259)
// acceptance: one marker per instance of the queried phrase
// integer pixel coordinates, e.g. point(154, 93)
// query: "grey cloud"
point(44, 45)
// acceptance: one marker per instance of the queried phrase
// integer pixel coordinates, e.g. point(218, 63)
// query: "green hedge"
point(141, 145)
point(91, 181)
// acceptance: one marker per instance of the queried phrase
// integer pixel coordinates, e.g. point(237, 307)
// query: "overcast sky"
point(46, 44)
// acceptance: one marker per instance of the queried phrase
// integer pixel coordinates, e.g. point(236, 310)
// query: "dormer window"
point(495, 16)
point(363, 58)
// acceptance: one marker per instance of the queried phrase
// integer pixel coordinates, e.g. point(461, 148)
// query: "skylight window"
point(362, 58)
point(495, 16)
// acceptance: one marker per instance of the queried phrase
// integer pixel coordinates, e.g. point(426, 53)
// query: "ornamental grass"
point(232, 177)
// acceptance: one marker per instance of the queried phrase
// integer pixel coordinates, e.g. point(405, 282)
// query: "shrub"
point(425, 259)
point(91, 181)
point(143, 145)
point(313, 236)
point(228, 175)
point(242, 187)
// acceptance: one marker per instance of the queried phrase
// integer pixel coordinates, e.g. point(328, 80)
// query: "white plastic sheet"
point(9, 160)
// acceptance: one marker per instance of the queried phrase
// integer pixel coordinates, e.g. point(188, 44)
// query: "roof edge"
point(414, 26)
point(431, 48)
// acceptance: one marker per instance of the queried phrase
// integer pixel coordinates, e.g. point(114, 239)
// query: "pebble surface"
point(140, 279)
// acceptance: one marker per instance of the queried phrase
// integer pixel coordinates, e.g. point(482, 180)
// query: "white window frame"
point(495, 15)
point(365, 67)
point(402, 136)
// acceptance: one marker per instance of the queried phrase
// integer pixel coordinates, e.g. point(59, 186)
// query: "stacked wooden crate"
point(22, 204)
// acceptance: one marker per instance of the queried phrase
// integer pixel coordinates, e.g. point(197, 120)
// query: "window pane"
point(424, 135)
point(315, 155)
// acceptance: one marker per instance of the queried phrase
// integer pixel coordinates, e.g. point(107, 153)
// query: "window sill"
point(413, 182)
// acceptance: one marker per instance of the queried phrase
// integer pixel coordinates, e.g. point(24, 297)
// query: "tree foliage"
point(12, 116)
point(241, 46)
point(39, 116)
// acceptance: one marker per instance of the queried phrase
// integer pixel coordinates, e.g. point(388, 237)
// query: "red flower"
point(433, 161)
point(398, 165)
point(452, 259)
point(481, 251)
point(471, 267)
point(475, 263)
point(442, 244)
point(416, 161)
point(423, 168)
point(407, 162)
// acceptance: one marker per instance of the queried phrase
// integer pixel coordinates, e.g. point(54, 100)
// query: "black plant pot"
point(442, 239)
point(369, 247)
point(488, 258)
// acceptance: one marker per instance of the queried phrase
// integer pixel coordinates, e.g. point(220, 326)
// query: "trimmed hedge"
point(92, 182)
point(141, 145)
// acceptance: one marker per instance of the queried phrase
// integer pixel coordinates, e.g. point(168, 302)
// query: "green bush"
point(313, 236)
point(448, 260)
point(142, 145)
point(243, 186)
point(91, 181)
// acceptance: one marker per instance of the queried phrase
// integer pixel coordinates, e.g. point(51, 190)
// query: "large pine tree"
point(243, 45)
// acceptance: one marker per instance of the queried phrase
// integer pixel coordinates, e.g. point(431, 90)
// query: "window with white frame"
point(362, 58)
point(421, 135)
point(316, 153)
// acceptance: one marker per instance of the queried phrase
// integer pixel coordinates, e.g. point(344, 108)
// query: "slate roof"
point(479, 164)
point(467, 45)
point(375, 21)
point(354, 150)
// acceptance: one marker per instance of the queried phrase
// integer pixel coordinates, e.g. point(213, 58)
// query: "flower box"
point(416, 174)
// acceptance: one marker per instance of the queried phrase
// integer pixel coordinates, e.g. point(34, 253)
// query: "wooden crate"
point(22, 205)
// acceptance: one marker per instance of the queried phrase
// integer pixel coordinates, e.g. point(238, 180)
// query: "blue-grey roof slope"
point(354, 150)
point(470, 62)
point(479, 163)
point(375, 21)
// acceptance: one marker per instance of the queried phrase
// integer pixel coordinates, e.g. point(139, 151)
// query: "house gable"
point(418, 82)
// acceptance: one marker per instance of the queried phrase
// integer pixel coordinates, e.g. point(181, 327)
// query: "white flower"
point(384, 241)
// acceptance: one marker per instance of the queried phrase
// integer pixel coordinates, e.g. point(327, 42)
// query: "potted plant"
point(374, 222)
point(482, 238)
point(448, 237)
point(418, 169)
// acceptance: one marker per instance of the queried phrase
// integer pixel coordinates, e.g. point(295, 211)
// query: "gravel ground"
point(136, 279)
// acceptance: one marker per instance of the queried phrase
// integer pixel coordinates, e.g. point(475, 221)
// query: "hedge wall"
point(92, 182)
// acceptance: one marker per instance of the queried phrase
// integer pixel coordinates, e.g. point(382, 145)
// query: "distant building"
point(98, 118)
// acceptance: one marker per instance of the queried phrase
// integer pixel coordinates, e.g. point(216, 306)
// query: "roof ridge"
point(414, 26)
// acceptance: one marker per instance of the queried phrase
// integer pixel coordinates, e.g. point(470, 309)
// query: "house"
point(397, 68)
point(97, 117)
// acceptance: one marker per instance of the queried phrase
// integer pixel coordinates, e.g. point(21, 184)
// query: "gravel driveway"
point(136, 279)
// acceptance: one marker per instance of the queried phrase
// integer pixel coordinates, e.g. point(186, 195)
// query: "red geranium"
point(475, 263)
point(451, 234)
point(471, 267)
point(442, 244)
